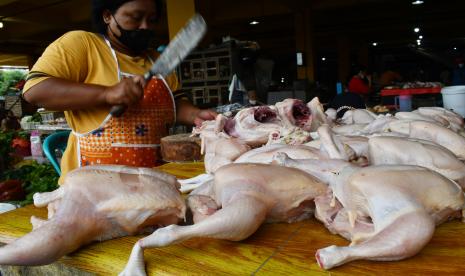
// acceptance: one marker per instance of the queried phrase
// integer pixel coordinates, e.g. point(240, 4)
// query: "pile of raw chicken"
point(381, 181)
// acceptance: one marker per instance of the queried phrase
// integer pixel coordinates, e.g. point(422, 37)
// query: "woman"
point(85, 74)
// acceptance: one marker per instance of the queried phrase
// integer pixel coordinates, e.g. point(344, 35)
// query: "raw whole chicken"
point(378, 125)
point(454, 119)
point(330, 146)
point(416, 116)
point(239, 199)
point(95, 204)
point(358, 116)
point(352, 129)
point(402, 151)
point(319, 116)
point(439, 135)
point(384, 211)
point(253, 125)
point(294, 113)
point(226, 151)
point(265, 154)
point(222, 151)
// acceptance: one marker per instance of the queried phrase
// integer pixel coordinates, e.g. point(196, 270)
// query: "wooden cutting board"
point(275, 249)
point(180, 148)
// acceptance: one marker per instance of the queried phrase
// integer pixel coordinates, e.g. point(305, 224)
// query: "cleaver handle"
point(118, 110)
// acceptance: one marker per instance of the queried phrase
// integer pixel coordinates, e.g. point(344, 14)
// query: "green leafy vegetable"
point(9, 78)
point(5, 148)
point(37, 178)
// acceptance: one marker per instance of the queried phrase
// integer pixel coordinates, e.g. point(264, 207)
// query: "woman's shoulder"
point(79, 37)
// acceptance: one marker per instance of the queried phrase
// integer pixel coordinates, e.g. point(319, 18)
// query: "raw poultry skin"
point(265, 154)
point(222, 151)
point(254, 125)
point(232, 206)
point(388, 212)
point(96, 204)
point(403, 211)
point(439, 135)
point(329, 146)
point(404, 151)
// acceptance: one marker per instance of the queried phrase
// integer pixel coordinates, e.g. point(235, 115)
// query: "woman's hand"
point(127, 92)
point(204, 115)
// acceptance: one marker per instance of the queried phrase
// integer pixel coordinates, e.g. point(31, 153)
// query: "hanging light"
point(420, 37)
point(1, 24)
point(254, 22)
point(417, 2)
point(374, 44)
point(416, 29)
point(323, 58)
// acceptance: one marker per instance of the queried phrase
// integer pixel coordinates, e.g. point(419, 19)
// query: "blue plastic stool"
point(54, 141)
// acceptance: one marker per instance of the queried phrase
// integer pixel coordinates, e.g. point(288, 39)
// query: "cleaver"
point(178, 48)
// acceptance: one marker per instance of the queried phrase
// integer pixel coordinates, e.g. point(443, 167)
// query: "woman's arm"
point(59, 94)
point(188, 114)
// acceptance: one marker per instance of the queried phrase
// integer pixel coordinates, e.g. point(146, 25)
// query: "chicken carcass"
point(404, 151)
point(416, 116)
point(222, 151)
point(389, 214)
point(455, 120)
point(386, 212)
point(253, 125)
point(439, 135)
point(358, 116)
point(265, 154)
point(351, 129)
point(235, 204)
point(319, 116)
point(95, 204)
point(294, 113)
point(226, 152)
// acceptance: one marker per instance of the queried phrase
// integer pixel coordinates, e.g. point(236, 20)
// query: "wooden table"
point(275, 249)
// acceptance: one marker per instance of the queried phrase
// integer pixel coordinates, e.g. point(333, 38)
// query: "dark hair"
point(99, 6)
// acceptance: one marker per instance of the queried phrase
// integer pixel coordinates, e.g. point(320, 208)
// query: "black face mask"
point(136, 40)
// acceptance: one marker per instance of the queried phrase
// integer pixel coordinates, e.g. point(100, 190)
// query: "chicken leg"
point(235, 221)
point(240, 199)
point(407, 235)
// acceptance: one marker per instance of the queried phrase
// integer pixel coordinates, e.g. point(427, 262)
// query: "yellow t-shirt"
point(86, 58)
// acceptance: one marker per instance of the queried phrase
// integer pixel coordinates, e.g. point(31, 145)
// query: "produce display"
point(20, 179)
point(381, 181)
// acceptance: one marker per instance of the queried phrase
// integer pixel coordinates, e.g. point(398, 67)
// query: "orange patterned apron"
point(134, 138)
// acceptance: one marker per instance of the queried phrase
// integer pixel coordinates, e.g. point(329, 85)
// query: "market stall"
point(278, 248)
point(232, 137)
